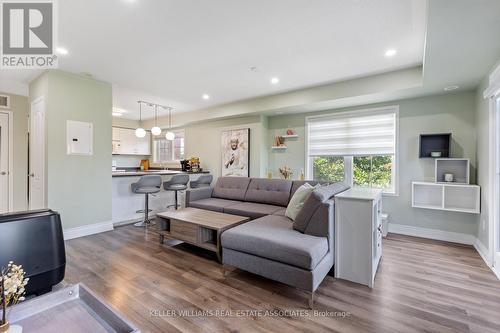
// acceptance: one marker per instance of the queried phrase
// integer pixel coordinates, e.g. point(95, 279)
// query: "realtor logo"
point(28, 34)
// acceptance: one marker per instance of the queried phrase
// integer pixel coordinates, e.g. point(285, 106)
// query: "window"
point(169, 151)
point(359, 148)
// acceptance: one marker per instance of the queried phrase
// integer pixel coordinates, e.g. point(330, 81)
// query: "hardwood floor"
point(421, 286)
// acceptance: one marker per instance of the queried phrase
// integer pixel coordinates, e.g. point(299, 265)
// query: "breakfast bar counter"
point(125, 203)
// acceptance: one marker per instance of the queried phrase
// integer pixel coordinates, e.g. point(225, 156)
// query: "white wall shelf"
point(459, 167)
point(290, 136)
point(447, 196)
point(279, 147)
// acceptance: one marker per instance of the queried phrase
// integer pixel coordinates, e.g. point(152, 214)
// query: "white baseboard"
point(496, 270)
point(483, 252)
point(447, 236)
point(87, 230)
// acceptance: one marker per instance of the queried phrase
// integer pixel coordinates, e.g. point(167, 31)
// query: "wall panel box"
point(439, 143)
point(445, 196)
point(458, 167)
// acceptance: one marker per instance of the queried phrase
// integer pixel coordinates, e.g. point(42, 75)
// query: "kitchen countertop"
point(153, 172)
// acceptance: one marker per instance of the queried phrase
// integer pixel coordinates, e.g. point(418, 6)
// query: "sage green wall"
point(203, 141)
point(78, 187)
point(19, 108)
point(432, 114)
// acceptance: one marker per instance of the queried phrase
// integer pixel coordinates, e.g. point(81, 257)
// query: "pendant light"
point(140, 132)
point(156, 130)
point(170, 135)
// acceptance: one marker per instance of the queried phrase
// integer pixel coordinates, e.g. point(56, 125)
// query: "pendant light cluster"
point(155, 130)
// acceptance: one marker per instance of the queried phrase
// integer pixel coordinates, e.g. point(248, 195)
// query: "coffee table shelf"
point(198, 227)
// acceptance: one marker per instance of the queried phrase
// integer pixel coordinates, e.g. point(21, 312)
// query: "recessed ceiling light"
point(275, 80)
point(61, 51)
point(390, 52)
point(450, 88)
point(205, 96)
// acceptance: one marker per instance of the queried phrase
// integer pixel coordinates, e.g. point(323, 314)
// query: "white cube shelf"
point(446, 196)
point(459, 167)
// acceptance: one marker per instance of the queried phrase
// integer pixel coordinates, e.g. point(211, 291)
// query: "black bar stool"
point(146, 185)
point(176, 183)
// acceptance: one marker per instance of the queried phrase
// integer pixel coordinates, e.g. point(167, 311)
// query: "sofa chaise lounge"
point(298, 253)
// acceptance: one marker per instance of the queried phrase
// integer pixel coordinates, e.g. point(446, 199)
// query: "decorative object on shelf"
point(302, 176)
point(458, 168)
point(235, 148)
point(433, 144)
point(12, 290)
point(279, 141)
point(436, 154)
point(286, 172)
point(269, 174)
point(140, 132)
point(289, 131)
point(448, 177)
point(156, 130)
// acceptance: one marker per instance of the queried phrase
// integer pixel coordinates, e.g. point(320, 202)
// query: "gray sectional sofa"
point(297, 253)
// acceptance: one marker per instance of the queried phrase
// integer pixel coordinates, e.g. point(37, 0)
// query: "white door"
point(37, 155)
point(4, 162)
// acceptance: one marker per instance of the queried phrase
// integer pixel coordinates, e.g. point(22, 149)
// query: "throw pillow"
point(297, 201)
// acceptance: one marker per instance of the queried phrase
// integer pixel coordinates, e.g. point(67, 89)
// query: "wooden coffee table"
point(198, 227)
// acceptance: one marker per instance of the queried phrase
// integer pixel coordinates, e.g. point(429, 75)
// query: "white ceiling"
point(172, 52)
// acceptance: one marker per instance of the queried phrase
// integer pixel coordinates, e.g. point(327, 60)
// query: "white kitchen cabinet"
point(125, 142)
point(358, 235)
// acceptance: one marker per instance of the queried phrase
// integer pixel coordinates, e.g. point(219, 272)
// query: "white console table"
point(358, 234)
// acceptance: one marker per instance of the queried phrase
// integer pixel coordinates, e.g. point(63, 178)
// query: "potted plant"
point(12, 290)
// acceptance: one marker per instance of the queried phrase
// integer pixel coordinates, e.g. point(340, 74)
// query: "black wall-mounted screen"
point(430, 143)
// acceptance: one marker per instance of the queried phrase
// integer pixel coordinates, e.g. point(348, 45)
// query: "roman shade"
point(353, 133)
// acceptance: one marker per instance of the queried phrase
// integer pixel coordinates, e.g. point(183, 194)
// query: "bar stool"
point(176, 183)
point(146, 185)
point(202, 181)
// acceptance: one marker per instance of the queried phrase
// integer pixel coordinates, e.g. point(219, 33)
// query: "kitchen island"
point(125, 203)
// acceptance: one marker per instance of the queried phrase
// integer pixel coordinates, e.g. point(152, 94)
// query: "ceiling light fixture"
point(140, 132)
point(275, 80)
point(450, 88)
point(206, 96)
point(61, 51)
point(170, 135)
point(390, 52)
point(116, 114)
point(156, 130)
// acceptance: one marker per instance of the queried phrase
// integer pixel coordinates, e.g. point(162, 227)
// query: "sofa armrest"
point(322, 222)
point(198, 194)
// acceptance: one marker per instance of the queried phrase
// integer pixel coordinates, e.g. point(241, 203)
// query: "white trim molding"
point(447, 236)
point(87, 230)
point(10, 171)
point(483, 252)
